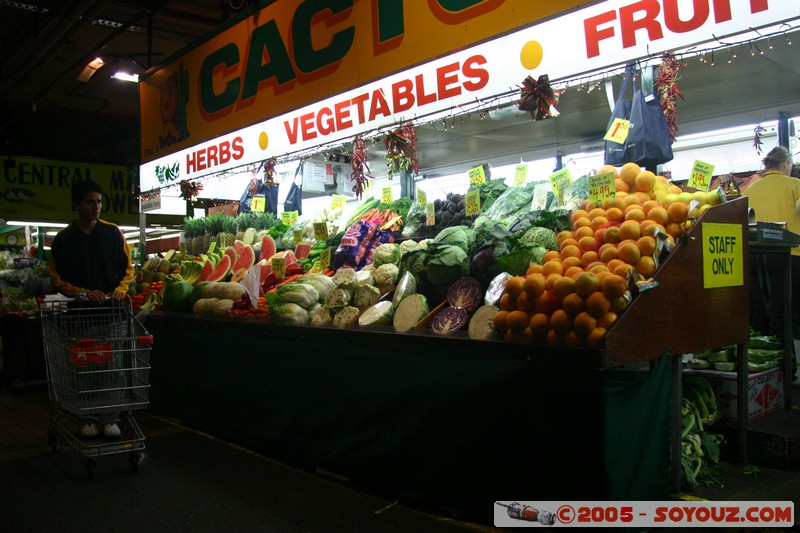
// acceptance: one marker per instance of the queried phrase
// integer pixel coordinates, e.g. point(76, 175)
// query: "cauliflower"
point(345, 278)
point(365, 277)
point(345, 316)
point(366, 295)
point(423, 244)
point(408, 246)
point(386, 274)
point(337, 297)
point(388, 253)
point(319, 316)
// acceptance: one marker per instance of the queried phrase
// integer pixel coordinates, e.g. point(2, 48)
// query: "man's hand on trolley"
point(96, 296)
point(117, 295)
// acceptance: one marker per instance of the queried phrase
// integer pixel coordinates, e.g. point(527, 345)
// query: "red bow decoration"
point(401, 150)
point(358, 162)
point(538, 98)
point(190, 189)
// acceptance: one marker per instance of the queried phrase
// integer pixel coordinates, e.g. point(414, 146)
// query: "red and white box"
point(764, 391)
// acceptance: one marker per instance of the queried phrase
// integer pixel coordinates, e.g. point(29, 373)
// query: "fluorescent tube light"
point(47, 224)
point(124, 76)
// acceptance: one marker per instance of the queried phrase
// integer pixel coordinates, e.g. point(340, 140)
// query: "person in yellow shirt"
point(775, 197)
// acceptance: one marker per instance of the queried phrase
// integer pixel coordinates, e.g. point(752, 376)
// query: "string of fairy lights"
point(756, 45)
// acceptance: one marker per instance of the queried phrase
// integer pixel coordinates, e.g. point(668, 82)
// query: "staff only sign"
point(723, 255)
point(603, 35)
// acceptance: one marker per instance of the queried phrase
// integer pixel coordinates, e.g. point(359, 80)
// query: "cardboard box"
point(764, 391)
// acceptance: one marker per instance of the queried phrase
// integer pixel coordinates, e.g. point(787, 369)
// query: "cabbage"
point(460, 236)
point(445, 264)
point(538, 236)
point(465, 293)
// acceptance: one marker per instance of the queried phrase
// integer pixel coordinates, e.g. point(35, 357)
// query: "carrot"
point(289, 279)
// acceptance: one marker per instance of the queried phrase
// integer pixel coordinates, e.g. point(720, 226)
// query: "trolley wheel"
point(136, 458)
point(91, 464)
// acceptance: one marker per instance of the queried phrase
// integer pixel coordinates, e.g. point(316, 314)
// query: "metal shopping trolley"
point(98, 362)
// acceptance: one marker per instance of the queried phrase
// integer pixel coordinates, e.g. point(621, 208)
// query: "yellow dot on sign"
point(263, 140)
point(531, 55)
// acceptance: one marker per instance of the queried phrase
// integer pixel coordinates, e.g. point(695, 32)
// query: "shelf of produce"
point(449, 421)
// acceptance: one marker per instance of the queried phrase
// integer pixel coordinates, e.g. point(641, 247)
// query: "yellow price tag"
point(539, 200)
point(289, 218)
point(520, 174)
point(386, 195)
point(559, 179)
point(618, 132)
point(477, 176)
point(316, 267)
point(602, 187)
point(259, 204)
point(701, 175)
point(279, 267)
point(320, 231)
point(338, 201)
point(422, 197)
point(297, 235)
point(430, 214)
point(473, 201)
point(325, 258)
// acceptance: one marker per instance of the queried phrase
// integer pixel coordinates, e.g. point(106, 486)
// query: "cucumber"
point(411, 310)
point(480, 325)
point(379, 314)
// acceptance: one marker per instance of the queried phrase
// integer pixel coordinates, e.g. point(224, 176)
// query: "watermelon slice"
point(302, 250)
point(246, 259)
point(231, 251)
point(221, 270)
point(238, 245)
point(267, 263)
point(208, 268)
point(268, 248)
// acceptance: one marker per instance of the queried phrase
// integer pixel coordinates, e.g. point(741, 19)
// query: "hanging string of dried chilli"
point(358, 162)
point(758, 134)
point(269, 170)
point(538, 97)
point(667, 87)
point(189, 189)
point(401, 150)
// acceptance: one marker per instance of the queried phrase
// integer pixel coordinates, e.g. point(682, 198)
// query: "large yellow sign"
point(293, 53)
point(723, 255)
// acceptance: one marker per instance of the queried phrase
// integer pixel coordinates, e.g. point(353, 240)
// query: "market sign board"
point(723, 255)
point(291, 54)
point(603, 35)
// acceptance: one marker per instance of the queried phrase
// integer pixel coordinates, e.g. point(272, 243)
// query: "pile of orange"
point(579, 290)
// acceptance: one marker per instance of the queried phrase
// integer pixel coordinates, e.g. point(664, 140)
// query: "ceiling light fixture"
point(124, 76)
point(88, 71)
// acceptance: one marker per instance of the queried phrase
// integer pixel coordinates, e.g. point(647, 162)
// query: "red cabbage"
point(449, 319)
point(465, 293)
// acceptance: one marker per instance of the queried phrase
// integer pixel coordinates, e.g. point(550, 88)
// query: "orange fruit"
point(643, 196)
point(648, 205)
point(539, 324)
point(563, 286)
point(573, 303)
point(549, 255)
point(588, 243)
point(600, 222)
point(619, 305)
point(636, 213)
point(616, 203)
point(597, 268)
point(586, 283)
point(570, 251)
point(608, 169)
point(499, 322)
point(561, 235)
point(650, 229)
point(630, 229)
point(526, 335)
point(573, 340)
point(560, 321)
point(599, 234)
point(658, 214)
point(584, 323)
point(553, 338)
point(646, 266)
point(629, 252)
point(565, 242)
point(583, 221)
point(628, 172)
point(612, 235)
point(662, 179)
point(674, 229)
point(525, 301)
point(678, 211)
point(645, 181)
point(614, 263)
point(554, 266)
point(570, 262)
point(597, 212)
point(589, 257)
point(615, 214)
point(507, 302)
point(546, 302)
point(608, 254)
point(596, 338)
point(647, 245)
point(534, 268)
point(517, 320)
point(578, 213)
point(621, 186)
point(624, 270)
point(607, 320)
point(633, 199)
point(515, 285)
point(613, 286)
point(583, 231)
point(597, 304)
point(550, 281)
point(511, 335)
point(573, 271)
point(534, 284)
